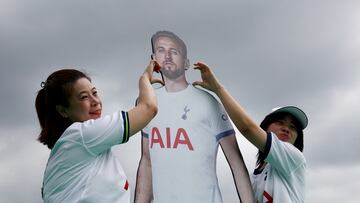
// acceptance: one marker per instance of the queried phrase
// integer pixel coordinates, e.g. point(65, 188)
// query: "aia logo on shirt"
point(163, 139)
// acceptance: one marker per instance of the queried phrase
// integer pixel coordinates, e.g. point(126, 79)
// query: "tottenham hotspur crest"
point(186, 110)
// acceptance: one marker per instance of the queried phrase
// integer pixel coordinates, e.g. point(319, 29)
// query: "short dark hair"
point(299, 142)
point(56, 90)
point(170, 35)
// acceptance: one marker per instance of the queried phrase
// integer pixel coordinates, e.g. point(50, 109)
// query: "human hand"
point(157, 67)
point(150, 69)
point(209, 80)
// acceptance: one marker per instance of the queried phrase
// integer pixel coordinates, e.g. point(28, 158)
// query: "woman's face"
point(84, 102)
point(284, 128)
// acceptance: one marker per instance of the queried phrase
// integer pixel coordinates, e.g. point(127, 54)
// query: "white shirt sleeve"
point(220, 121)
point(283, 156)
point(101, 134)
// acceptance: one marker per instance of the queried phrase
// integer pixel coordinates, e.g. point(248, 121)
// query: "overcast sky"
point(267, 53)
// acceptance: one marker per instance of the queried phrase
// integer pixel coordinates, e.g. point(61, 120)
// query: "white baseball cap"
point(294, 111)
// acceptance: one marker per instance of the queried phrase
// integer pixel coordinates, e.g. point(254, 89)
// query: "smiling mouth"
point(96, 113)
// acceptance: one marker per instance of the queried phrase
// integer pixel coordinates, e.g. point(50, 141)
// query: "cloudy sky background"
point(267, 53)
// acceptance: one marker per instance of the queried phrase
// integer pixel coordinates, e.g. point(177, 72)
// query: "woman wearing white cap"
point(280, 172)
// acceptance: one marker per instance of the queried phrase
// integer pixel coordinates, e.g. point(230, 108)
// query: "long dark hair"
point(56, 90)
point(299, 142)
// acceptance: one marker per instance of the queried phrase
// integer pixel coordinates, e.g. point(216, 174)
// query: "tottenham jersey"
point(283, 178)
point(183, 142)
point(81, 166)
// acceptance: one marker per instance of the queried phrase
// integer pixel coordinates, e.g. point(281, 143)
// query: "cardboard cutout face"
point(170, 53)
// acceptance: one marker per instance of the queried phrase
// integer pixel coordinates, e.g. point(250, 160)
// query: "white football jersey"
point(81, 166)
point(283, 178)
point(183, 142)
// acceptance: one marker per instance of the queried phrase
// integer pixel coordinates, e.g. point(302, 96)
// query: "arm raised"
point(238, 115)
point(146, 107)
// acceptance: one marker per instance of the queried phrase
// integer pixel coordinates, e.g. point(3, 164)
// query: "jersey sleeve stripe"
point(267, 145)
point(144, 134)
point(224, 134)
point(125, 116)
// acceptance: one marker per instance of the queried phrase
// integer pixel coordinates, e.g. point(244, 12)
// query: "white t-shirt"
point(81, 166)
point(183, 142)
point(283, 178)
